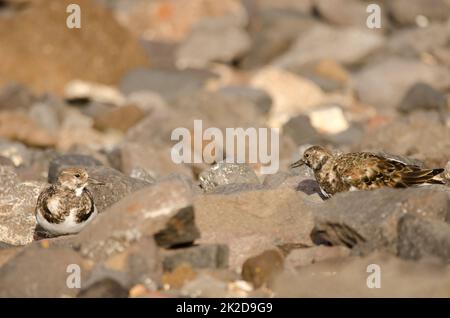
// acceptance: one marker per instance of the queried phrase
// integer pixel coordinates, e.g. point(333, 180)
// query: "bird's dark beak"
point(298, 163)
point(95, 182)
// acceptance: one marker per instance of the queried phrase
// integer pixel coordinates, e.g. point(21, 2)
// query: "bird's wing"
point(87, 206)
point(367, 171)
point(41, 202)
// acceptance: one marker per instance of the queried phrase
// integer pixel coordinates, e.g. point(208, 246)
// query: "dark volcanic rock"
point(199, 256)
point(420, 238)
point(368, 219)
point(180, 229)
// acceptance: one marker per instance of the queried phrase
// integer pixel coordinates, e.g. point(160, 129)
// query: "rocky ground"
point(107, 97)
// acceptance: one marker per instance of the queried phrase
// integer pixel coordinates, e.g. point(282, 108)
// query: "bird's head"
point(314, 157)
point(75, 179)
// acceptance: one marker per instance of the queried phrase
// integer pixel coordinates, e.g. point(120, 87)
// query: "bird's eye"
point(307, 155)
point(77, 175)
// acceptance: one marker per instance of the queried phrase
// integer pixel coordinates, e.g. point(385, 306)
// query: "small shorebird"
point(363, 170)
point(67, 206)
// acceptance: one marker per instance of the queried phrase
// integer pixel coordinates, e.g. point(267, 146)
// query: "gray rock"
point(307, 256)
point(398, 76)
point(117, 186)
point(346, 13)
point(368, 220)
point(414, 42)
point(301, 131)
point(141, 214)
point(405, 12)
point(141, 174)
point(273, 31)
point(17, 204)
point(107, 288)
point(422, 96)
point(205, 285)
point(260, 98)
point(348, 277)
point(169, 83)
point(420, 238)
point(17, 152)
point(280, 215)
point(227, 173)
point(212, 41)
point(154, 160)
point(324, 42)
point(211, 256)
point(262, 269)
point(423, 138)
point(69, 160)
point(16, 96)
point(40, 272)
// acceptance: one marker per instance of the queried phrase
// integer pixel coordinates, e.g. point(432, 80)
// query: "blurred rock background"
point(108, 95)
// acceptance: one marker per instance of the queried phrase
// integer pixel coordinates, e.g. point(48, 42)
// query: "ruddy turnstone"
point(67, 206)
point(363, 170)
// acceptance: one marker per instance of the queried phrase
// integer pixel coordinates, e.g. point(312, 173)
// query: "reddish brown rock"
point(100, 51)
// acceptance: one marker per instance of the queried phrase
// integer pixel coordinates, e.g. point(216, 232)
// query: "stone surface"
point(405, 12)
point(307, 256)
point(120, 118)
point(346, 13)
point(141, 214)
point(325, 42)
point(79, 53)
point(348, 277)
point(169, 83)
point(16, 96)
point(299, 128)
point(369, 220)
point(263, 268)
point(420, 238)
point(250, 222)
point(107, 288)
point(220, 42)
point(17, 204)
point(17, 280)
point(291, 94)
point(70, 160)
point(398, 76)
point(423, 97)
point(227, 173)
point(211, 256)
point(20, 127)
point(154, 160)
point(117, 186)
point(418, 135)
point(415, 42)
point(273, 30)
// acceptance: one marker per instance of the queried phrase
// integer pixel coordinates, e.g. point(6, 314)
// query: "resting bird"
point(67, 206)
point(362, 171)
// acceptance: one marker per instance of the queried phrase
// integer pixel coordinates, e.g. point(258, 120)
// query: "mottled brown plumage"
point(67, 206)
point(363, 171)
